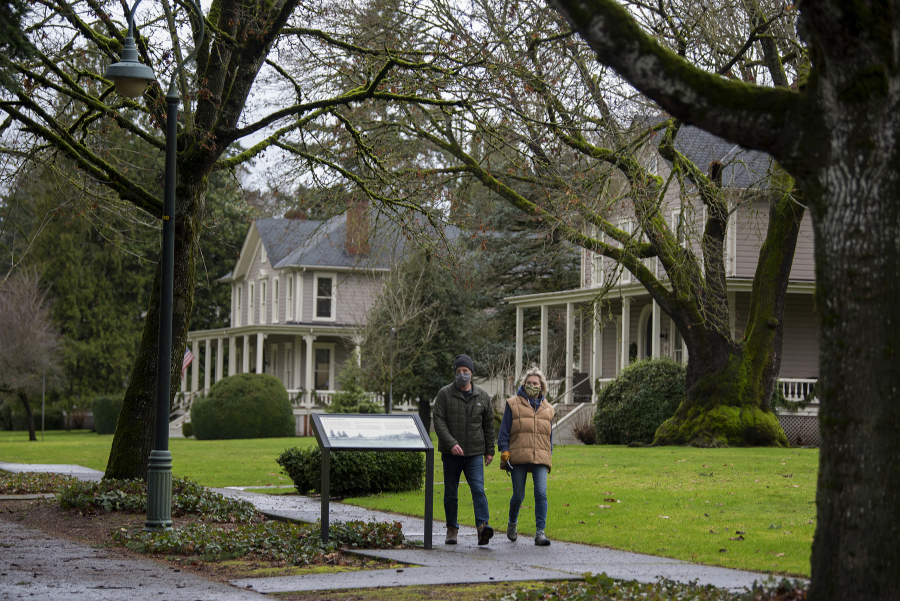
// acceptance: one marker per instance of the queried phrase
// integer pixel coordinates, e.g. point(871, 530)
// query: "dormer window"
point(237, 314)
point(263, 304)
point(250, 298)
point(275, 293)
point(325, 293)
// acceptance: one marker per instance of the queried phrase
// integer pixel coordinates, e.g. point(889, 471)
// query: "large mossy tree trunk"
point(838, 135)
point(135, 429)
point(729, 383)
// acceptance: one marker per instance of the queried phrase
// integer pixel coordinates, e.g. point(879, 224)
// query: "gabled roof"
point(323, 244)
point(743, 168)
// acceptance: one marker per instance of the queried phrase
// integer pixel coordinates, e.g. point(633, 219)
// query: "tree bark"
point(135, 428)
point(29, 416)
point(855, 552)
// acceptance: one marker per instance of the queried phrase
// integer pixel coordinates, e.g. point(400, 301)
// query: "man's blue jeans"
point(473, 468)
point(539, 478)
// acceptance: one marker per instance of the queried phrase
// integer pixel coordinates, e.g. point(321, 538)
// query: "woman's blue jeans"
point(473, 468)
point(539, 478)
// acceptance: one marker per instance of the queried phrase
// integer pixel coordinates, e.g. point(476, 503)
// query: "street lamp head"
point(130, 76)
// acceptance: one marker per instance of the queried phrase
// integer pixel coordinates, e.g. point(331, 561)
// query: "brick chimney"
point(358, 228)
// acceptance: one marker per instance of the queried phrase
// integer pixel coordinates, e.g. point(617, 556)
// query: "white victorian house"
point(299, 292)
point(597, 348)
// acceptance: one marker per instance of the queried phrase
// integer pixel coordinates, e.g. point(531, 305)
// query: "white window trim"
point(299, 297)
point(251, 291)
point(263, 301)
point(289, 299)
point(275, 292)
point(330, 347)
point(315, 299)
point(263, 257)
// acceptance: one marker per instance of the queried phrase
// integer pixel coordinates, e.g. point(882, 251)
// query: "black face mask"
point(462, 379)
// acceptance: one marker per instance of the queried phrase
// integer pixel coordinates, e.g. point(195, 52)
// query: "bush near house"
point(106, 413)
point(638, 401)
point(244, 406)
point(354, 473)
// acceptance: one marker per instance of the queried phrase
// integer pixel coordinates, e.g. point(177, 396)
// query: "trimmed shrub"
point(187, 430)
point(638, 401)
point(354, 473)
point(106, 413)
point(244, 406)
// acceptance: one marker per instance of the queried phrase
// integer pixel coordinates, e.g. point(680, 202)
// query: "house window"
point(324, 288)
point(237, 316)
point(625, 277)
point(250, 312)
point(263, 258)
point(323, 368)
point(678, 227)
point(653, 167)
point(677, 346)
point(290, 299)
point(263, 304)
point(275, 300)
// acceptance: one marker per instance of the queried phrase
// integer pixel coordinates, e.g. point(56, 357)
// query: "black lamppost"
point(131, 78)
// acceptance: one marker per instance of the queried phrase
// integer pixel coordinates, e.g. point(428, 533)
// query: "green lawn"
point(684, 503)
point(215, 463)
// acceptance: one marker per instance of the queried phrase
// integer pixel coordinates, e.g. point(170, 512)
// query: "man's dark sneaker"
point(485, 532)
point(451, 536)
point(540, 539)
point(511, 532)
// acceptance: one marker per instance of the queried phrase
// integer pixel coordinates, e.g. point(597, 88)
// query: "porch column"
point(597, 363)
point(232, 355)
point(245, 355)
point(260, 341)
point(220, 358)
point(654, 341)
point(195, 365)
point(206, 364)
point(626, 331)
point(310, 384)
point(545, 311)
point(570, 352)
point(520, 335)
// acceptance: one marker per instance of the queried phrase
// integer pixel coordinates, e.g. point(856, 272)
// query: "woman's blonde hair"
point(536, 371)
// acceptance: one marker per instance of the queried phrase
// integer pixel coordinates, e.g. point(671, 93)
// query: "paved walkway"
point(65, 578)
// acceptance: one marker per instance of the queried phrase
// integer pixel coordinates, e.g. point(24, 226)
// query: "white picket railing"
point(796, 389)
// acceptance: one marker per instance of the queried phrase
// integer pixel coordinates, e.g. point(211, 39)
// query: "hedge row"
point(354, 473)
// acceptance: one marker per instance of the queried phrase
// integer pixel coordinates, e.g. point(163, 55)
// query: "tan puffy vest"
point(529, 437)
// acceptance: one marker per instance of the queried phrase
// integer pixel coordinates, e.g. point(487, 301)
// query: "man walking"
point(464, 423)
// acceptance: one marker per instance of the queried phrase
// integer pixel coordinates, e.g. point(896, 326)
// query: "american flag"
point(188, 357)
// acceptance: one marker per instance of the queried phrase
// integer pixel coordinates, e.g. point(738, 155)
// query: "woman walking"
point(526, 446)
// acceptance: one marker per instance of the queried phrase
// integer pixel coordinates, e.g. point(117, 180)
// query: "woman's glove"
point(504, 461)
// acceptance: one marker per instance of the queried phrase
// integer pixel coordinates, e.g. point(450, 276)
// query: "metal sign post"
point(376, 433)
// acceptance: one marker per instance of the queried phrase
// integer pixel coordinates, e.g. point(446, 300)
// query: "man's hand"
point(488, 459)
point(457, 450)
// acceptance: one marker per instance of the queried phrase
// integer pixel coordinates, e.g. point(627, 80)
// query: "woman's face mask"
point(533, 391)
point(462, 378)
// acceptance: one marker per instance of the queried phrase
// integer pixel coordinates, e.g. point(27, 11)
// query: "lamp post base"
point(159, 492)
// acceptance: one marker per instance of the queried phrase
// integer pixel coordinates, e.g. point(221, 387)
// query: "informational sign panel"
point(379, 433)
point(389, 432)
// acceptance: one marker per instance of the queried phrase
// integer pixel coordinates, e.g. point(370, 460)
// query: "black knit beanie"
point(463, 361)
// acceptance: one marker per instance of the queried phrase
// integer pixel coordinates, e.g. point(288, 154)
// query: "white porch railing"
point(301, 399)
point(796, 389)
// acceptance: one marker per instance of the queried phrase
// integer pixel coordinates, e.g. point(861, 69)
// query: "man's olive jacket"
point(467, 424)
